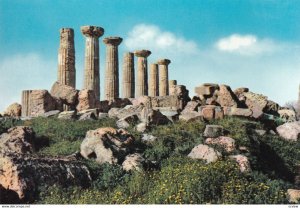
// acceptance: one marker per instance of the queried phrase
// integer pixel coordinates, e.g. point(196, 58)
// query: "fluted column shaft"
point(172, 87)
point(142, 72)
point(26, 111)
point(163, 77)
point(128, 76)
point(91, 63)
point(153, 82)
point(66, 58)
point(112, 68)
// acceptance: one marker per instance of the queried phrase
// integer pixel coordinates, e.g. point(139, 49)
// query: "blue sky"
point(252, 43)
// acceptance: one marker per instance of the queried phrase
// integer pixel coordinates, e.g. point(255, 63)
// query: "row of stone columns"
point(158, 85)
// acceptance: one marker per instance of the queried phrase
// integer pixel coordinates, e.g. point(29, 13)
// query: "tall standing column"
point(142, 72)
point(163, 77)
point(66, 58)
point(153, 82)
point(91, 65)
point(128, 76)
point(172, 87)
point(112, 68)
point(26, 111)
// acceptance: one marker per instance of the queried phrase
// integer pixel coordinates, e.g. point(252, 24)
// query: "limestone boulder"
point(106, 145)
point(127, 121)
point(204, 152)
point(68, 95)
point(18, 139)
point(173, 101)
point(133, 162)
point(256, 103)
point(51, 113)
point(88, 116)
point(113, 112)
point(190, 116)
point(153, 117)
point(206, 90)
point(227, 143)
point(41, 102)
point(289, 131)
point(233, 111)
point(239, 91)
point(287, 115)
point(86, 100)
point(171, 114)
point(102, 116)
point(242, 162)
point(13, 110)
point(213, 131)
point(67, 115)
point(183, 94)
point(24, 173)
point(105, 105)
point(191, 106)
point(293, 196)
point(272, 108)
point(226, 97)
point(210, 112)
point(129, 110)
point(142, 127)
point(148, 138)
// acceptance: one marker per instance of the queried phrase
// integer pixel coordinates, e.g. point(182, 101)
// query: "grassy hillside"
point(174, 178)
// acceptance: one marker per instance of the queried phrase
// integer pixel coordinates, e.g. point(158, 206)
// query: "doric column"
point(91, 65)
point(153, 82)
point(142, 72)
point(112, 68)
point(128, 75)
point(163, 77)
point(66, 58)
point(26, 111)
point(172, 87)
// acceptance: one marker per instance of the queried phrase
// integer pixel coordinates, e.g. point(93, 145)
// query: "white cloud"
point(246, 45)
point(151, 37)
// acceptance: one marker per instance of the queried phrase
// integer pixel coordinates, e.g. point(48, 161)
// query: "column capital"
point(112, 40)
point(142, 53)
point(92, 31)
point(163, 62)
point(67, 30)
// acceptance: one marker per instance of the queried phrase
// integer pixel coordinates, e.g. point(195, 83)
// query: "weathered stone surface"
point(51, 113)
point(86, 100)
point(106, 145)
point(213, 131)
point(204, 152)
point(26, 103)
point(23, 173)
point(153, 117)
point(272, 108)
point(106, 105)
point(18, 139)
point(126, 121)
point(142, 127)
point(163, 77)
point(87, 116)
point(206, 90)
point(256, 102)
point(102, 115)
point(183, 94)
point(129, 110)
point(128, 89)
point(289, 131)
point(172, 87)
point(293, 195)
point(13, 110)
point(173, 101)
point(233, 111)
point(91, 63)
point(170, 113)
point(287, 115)
point(191, 106)
point(142, 72)
point(113, 112)
point(190, 116)
point(227, 143)
point(66, 58)
point(67, 115)
point(210, 112)
point(154, 81)
point(41, 102)
point(133, 162)
point(226, 97)
point(68, 95)
point(242, 161)
point(240, 91)
point(148, 138)
point(112, 68)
